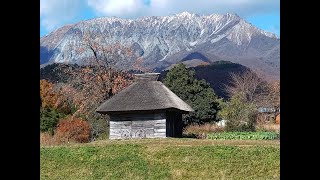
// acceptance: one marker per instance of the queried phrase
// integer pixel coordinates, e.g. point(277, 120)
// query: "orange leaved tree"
point(73, 130)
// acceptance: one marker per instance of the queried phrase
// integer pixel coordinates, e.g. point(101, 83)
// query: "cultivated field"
point(162, 159)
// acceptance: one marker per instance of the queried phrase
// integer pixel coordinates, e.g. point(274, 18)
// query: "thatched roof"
point(144, 94)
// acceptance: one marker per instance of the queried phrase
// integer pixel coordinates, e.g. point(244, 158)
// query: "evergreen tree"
point(49, 118)
point(197, 93)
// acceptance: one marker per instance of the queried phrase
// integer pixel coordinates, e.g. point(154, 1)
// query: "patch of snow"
point(202, 31)
point(269, 34)
point(193, 43)
point(217, 38)
point(164, 57)
point(188, 49)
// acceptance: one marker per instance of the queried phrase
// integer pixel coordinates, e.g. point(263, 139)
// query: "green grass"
point(162, 159)
point(244, 135)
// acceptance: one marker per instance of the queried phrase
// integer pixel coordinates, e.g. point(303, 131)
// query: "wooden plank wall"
point(127, 126)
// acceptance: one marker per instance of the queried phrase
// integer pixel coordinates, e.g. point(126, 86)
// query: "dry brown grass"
point(201, 131)
point(48, 140)
point(268, 127)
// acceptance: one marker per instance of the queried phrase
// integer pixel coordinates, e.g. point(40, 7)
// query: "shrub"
point(201, 131)
point(73, 130)
point(240, 115)
point(243, 136)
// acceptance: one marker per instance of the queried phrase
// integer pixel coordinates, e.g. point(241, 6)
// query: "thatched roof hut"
point(147, 108)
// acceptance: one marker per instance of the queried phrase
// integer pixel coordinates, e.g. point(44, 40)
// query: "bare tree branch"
point(245, 84)
point(252, 88)
point(105, 58)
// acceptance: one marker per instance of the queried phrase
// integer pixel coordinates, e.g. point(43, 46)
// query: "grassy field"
point(162, 159)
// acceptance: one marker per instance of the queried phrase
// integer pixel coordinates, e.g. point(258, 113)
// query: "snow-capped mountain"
point(164, 40)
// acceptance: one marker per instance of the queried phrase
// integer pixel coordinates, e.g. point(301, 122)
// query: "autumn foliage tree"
point(84, 88)
point(105, 57)
point(48, 98)
point(73, 130)
point(107, 78)
point(54, 106)
point(87, 86)
point(53, 98)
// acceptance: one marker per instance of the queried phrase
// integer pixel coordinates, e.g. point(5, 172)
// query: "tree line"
point(77, 91)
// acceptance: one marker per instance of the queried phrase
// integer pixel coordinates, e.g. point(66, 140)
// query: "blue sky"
point(265, 14)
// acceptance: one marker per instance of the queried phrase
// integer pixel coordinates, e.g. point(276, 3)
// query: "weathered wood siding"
point(126, 126)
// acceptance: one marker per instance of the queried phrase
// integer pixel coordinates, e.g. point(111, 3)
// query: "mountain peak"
point(185, 13)
point(232, 14)
point(163, 40)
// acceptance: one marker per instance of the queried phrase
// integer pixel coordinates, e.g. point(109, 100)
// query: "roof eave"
point(183, 111)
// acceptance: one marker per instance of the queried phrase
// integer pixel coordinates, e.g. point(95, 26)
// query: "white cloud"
point(55, 13)
point(120, 8)
point(136, 8)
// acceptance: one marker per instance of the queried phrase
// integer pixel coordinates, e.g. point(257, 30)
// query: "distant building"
point(145, 109)
point(267, 114)
point(221, 123)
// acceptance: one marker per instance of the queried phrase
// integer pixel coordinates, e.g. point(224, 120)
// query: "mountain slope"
point(163, 41)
